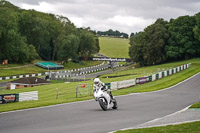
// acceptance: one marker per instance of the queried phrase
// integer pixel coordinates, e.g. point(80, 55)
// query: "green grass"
point(47, 93)
point(114, 47)
point(47, 96)
point(72, 65)
point(11, 65)
point(21, 71)
point(193, 127)
point(196, 105)
point(35, 69)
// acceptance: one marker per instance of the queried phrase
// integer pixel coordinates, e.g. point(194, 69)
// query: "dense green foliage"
point(27, 34)
point(112, 33)
point(165, 41)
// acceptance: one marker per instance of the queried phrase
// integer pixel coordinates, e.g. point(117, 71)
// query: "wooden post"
point(76, 92)
point(56, 93)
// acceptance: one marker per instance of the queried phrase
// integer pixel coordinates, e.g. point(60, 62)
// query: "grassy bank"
point(193, 127)
point(114, 47)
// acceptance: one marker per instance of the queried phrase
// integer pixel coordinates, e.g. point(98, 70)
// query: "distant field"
point(114, 47)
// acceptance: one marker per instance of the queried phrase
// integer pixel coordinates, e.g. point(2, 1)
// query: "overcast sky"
point(123, 15)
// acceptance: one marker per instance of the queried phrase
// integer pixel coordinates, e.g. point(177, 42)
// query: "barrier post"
point(56, 93)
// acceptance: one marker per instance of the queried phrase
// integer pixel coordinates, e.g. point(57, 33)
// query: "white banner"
point(126, 83)
point(113, 85)
point(28, 96)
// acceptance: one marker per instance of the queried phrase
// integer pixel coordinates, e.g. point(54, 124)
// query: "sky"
point(127, 16)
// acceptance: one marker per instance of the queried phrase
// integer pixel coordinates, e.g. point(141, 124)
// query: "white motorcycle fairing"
point(104, 99)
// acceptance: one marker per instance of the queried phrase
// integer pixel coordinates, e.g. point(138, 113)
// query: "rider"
point(99, 84)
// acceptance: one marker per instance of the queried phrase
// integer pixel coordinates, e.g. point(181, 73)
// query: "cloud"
point(42, 6)
point(123, 15)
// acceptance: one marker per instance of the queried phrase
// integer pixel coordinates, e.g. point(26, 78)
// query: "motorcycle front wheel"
point(103, 104)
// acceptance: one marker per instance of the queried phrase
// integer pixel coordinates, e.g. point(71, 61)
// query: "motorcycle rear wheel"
point(114, 104)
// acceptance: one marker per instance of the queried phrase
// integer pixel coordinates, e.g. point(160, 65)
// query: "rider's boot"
point(111, 96)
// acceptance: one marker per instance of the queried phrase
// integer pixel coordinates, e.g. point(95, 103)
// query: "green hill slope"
point(114, 47)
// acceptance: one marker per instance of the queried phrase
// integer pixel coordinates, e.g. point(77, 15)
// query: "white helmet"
point(96, 81)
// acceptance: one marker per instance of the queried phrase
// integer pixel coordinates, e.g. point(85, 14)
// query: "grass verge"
point(196, 105)
point(193, 127)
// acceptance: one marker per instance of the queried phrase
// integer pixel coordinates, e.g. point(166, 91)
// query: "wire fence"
point(81, 90)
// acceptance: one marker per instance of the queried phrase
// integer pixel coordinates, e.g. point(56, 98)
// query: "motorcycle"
point(104, 99)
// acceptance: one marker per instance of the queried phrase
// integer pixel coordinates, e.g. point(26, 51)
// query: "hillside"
point(114, 47)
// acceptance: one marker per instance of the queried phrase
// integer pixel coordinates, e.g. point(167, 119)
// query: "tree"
point(181, 43)
point(147, 47)
point(32, 54)
point(87, 45)
point(29, 34)
point(13, 46)
point(112, 33)
point(69, 48)
point(136, 48)
point(196, 30)
point(156, 37)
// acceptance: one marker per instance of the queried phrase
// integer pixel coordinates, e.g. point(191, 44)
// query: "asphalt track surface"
point(87, 116)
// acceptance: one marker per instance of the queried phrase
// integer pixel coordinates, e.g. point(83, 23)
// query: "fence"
point(70, 79)
point(66, 92)
point(145, 79)
point(62, 76)
point(84, 89)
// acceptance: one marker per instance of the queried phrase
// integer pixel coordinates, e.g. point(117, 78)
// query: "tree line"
point(26, 35)
point(167, 41)
point(112, 33)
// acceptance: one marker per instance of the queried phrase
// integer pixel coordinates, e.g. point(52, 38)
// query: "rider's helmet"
point(96, 81)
